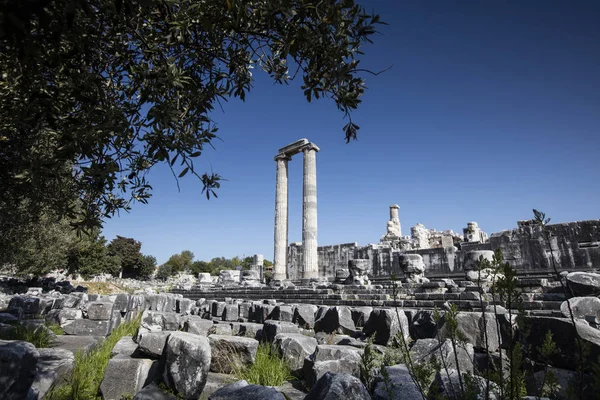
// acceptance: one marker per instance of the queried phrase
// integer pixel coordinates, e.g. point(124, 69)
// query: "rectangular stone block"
point(87, 327)
point(100, 310)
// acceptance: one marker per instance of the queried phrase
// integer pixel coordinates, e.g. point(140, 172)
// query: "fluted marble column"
point(309, 213)
point(281, 219)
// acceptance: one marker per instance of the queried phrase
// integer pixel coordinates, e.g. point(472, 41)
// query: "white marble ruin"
point(473, 234)
point(310, 267)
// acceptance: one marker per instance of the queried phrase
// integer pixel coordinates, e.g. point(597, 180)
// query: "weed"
point(269, 369)
point(55, 328)
point(36, 335)
point(88, 371)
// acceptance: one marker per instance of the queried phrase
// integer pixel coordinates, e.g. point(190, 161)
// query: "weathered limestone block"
point(71, 301)
point(250, 278)
point(584, 283)
point(77, 343)
point(272, 328)
point(385, 324)
point(402, 385)
point(217, 309)
point(294, 348)
point(564, 378)
point(240, 390)
point(231, 352)
point(184, 306)
point(244, 310)
point(337, 387)
point(563, 334)
point(472, 258)
point(230, 312)
point(341, 275)
point(581, 307)
point(229, 277)
point(125, 346)
point(187, 362)
point(250, 329)
point(69, 314)
point(359, 270)
point(360, 315)
point(18, 362)
point(221, 329)
point(152, 344)
point(427, 349)
point(156, 321)
point(336, 320)
point(332, 358)
point(126, 376)
point(423, 326)
point(86, 327)
point(153, 392)
point(282, 313)
point(304, 315)
point(53, 367)
point(197, 325)
point(475, 327)
point(413, 267)
point(446, 385)
point(123, 302)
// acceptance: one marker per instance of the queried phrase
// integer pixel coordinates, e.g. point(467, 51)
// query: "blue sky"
point(490, 109)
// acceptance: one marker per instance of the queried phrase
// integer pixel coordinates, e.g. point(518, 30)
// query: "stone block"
point(230, 353)
point(336, 320)
point(53, 368)
point(332, 358)
point(100, 310)
point(402, 385)
point(126, 376)
point(125, 346)
point(152, 344)
point(155, 321)
point(240, 390)
point(218, 308)
point(338, 386)
point(18, 363)
point(230, 312)
point(384, 324)
point(304, 315)
point(272, 328)
point(187, 362)
point(294, 348)
point(86, 327)
point(197, 325)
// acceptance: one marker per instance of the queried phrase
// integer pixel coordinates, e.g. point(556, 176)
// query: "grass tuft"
point(36, 335)
point(269, 369)
point(56, 328)
point(88, 371)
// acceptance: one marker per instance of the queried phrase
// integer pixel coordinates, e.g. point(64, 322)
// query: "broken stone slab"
point(336, 320)
point(304, 315)
point(385, 324)
point(187, 362)
point(401, 385)
point(217, 308)
point(53, 368)
point(333, 386)
point(425, 350)
point(18, 366)
point(333, 358)
point(479, 329)
point(86, 327)
point(184, 306)
point(221, 329)
point(360, 315)
point(241, 390)
point(447, 385)
point(294, 348)
point(272, 328)
point(152, 344)
point(230, 312)
point(563, 335)
point(282, 313)
point(126, 376)
point(564, 378)
point(196, 325)
point(423, 326)
point(153, 392)
point(123, 302)
point(77, 343)
point(156, 321)
point(581, 307)
point(249, 329)
point(584, 283)
point(125, 346)
point(69, 314)
point(231, 353)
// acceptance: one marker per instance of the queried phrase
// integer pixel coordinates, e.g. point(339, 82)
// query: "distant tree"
point(147, 267)
point(164, 271)
point(201, 266)
point(267, 264)
point(247, 263)
point(90, 256)
point(128, 251)
point(181, 262)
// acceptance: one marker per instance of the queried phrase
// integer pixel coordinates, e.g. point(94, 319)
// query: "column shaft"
point(281, 220)
point(309, 215)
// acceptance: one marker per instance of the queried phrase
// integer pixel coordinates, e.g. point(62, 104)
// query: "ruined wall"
point(575, 245)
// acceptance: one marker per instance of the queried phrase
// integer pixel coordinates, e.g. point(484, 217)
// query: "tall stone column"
point(281, 219)
point(309, 213)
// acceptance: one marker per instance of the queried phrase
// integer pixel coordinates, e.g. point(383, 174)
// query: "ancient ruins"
point(326, 311)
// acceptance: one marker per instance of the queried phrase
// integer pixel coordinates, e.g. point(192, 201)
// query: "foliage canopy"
point(94, 93)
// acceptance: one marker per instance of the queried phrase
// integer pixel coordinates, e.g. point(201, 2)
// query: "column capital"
point(283, 157)
point(309, 146)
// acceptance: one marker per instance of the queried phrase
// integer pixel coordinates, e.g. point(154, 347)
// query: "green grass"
point(269, 369)
point(56, 328)
point(35, 335)
point(88, 372)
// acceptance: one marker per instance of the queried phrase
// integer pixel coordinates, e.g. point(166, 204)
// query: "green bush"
point(269, 369)
point(88, 371)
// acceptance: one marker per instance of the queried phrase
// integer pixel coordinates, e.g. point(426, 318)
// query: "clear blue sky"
point(491, 108)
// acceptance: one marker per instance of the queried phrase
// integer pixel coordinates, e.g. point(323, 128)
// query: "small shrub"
point(36, 335)
point(269, 369)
